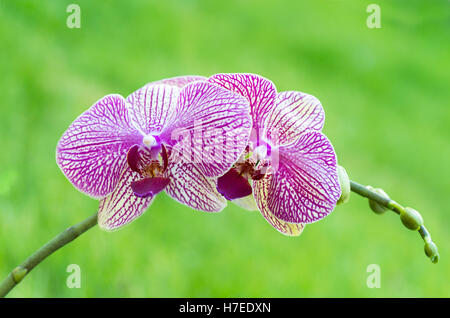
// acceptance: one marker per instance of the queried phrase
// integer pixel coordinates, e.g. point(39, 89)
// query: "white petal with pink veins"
point(180, 81)
point(294, 113)
point(190, 187)
point(122, 206)
point(304, 188)
point(259, 91)
point(152, 107)
point(211, 128)
point(92, 152)
point(261, 194)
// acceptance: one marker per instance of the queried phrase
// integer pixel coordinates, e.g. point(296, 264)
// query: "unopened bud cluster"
point(409, 217)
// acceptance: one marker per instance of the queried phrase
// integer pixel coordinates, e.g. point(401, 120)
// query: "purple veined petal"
point(259, 91)
point(190, 187)
point(233, 186)
point(153, 106)
point(305, 187)
point(92, 153)
point(149, 186)
point(180, 81)
point(261, 195)
point(122, 206)
point(210, 129)
point(294, 112)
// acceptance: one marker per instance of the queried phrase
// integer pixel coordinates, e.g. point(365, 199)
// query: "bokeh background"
point(386, 96)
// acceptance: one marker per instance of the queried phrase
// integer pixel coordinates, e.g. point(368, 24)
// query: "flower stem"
point(397, 208)
point(372, 195)
point(68, 235)
point(62, 239)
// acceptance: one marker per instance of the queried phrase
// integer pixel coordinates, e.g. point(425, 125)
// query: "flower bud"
point(375, 206)
point(431, 249)
point(411, 219)
point(19, 273)
point(435, 258)
point(344, 182)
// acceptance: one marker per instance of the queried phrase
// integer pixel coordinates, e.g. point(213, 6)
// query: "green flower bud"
point(435, 258)
point(19, 273)
point(344, 182)
point(375, 206)
point(411, 219)
point(431, 249)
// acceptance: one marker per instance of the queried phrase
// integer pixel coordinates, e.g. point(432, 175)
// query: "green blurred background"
point(386, 97)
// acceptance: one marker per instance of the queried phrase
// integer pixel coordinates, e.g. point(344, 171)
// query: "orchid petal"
point(122, 206)
point(259, 91)
point(180, 81)
point(190, 187)
point(92, 152)
point(153, 106)
point(294, 112)
point(248, 203)
point(262, 196)
point(304, 187)
point(214, 125)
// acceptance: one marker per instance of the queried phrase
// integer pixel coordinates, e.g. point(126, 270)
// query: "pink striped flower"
point(165, 136)
point(289, 166)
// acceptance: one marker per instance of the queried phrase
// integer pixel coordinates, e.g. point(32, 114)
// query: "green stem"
point(372, 195)
point(62, 239)
point(67, 236)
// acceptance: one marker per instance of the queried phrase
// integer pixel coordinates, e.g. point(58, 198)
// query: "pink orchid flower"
point(289, 166)
point(126, 151)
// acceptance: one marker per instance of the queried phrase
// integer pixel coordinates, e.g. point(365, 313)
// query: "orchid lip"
point(233, 185)
point(149, 186)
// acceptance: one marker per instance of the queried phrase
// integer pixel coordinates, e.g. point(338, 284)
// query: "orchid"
point(126, 151)
point(289, 166)
point(202, 141)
